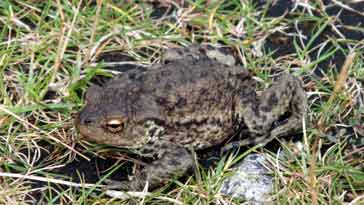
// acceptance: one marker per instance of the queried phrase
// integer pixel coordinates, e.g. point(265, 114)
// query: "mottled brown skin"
point(189, 101)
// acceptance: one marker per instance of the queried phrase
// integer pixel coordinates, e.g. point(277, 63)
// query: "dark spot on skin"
point(164, 146)
point(192, 123)
point(157, 78)
point(256, 110)
point(247, 95)
point(296, 108)
point(201, 50)
point(179, 154)
point(243, 77)
point(273, 100)
point(259, 127)
point(293, 93)
point(203, 91)
point(274, 116)
point(220, 123)
point(194, 61)
point(173, 162)
point(179, 51)
point(203, 74)
point(264, 118)
point(181, 102)
point(161, 100)
point(266, 108)
point(165, 73)
point(148, 150)
point(168, 86)
point(139, 78)
point(132, 76)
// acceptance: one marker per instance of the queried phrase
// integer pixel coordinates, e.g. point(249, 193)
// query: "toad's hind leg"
point(284, 99)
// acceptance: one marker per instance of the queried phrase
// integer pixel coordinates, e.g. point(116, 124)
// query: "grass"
point(50, 53)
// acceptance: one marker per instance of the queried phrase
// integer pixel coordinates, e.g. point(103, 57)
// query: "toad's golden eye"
point(115, 125)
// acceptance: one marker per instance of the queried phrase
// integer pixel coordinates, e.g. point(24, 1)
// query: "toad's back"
point(192, 101)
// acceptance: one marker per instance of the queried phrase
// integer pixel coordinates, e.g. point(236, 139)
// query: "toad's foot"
point(172, 163)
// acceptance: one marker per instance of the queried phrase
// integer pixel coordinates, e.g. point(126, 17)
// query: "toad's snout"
point(85, 119)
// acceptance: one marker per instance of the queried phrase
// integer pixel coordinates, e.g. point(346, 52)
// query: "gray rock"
point(250, 181)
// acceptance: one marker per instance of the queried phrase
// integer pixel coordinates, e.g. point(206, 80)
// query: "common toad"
point(191, 100)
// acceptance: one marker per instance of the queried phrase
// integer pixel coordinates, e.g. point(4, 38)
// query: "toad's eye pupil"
point(114, 125)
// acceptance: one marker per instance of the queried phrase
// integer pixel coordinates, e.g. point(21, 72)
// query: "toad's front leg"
point(173, 162)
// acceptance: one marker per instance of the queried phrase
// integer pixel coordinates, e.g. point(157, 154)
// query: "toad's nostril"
point(84, 117)
point(87, 121)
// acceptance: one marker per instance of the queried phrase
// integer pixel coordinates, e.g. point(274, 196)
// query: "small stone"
point(251, 181)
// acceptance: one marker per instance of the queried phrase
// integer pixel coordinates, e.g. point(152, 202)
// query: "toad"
point(194, 99)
